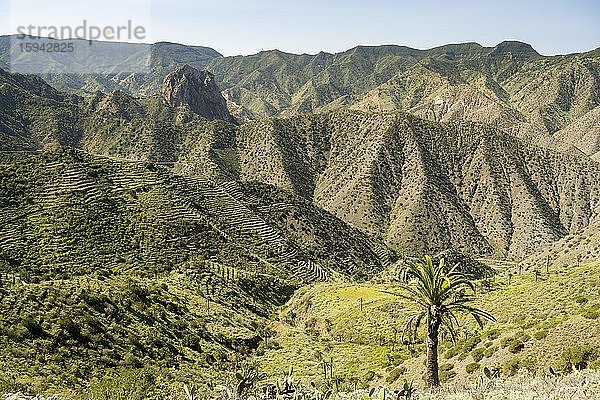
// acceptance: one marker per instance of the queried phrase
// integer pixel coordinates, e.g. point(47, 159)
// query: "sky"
point(235, 27)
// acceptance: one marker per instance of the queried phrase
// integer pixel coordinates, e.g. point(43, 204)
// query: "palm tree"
point(439, 295)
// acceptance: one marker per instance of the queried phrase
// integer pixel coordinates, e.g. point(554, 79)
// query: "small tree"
point(439, 295)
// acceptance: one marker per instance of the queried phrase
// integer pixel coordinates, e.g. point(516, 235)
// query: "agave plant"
point(407, 392)
point(191, 392)
point(247, 379)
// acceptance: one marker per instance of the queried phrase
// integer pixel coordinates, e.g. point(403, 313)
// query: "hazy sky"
point(246, 27)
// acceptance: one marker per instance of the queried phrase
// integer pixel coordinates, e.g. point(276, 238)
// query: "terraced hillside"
point(126, 264)
point(487, 192)
point(40, 187)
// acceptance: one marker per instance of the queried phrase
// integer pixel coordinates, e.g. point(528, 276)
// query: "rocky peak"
point(517, 50)
point(196, 90)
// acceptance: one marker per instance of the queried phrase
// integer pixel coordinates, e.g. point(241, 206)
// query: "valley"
point(226, 217)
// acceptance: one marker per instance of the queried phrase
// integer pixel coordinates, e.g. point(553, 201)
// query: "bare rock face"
point(197, 90)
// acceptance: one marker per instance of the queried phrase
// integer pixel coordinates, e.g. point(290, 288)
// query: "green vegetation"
point(578, 357)
point(364, 340)
point(472, 367)
point(110, 265)
point(146, 253)
point(439, 294)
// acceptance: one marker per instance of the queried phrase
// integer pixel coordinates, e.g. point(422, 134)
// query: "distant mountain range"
point(549, 100)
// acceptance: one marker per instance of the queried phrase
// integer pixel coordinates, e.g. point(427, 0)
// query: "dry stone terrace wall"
point(154, 209)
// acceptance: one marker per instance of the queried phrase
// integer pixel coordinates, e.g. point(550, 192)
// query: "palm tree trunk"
point(433, 329)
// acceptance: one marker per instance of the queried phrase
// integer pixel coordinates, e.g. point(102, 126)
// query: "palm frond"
point(445, 291)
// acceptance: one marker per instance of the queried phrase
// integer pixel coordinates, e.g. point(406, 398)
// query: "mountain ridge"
point(419, 185)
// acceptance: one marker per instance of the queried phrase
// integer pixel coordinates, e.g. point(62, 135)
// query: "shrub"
point(529, 363)
point(470, 343)
point(70, 327)
point(477, 354)
point(369, 376)
point(515, 343)
point(395, 374)
point(131, 384)
point(131, 360)
point(472, 367)
point(446, 367)
point(451, 352)
point(489, 351)
point(446, 372)
point(516, 346)
point(34, 327)
point(17, 333)
point(581, 299)
point(510, 367)
point(539, 335)
point(492, 334)
point(577, 357)
point(590, 314)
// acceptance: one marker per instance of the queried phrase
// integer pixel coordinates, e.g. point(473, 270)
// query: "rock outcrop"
point(196, 90)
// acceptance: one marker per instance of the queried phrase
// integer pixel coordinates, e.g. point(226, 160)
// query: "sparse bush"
point(446, 372)
point(369, 376)
point(510, 367)
point(478, 354)
point(539, 335)
point(395, 374)
point(577, 357)
point(451, 352)
point(472, 367)
point(581, 299)
point(515, 343)
point(529, 363)
point(516, 346)
point(470, 343)
point(492, 334)
point(489, 351)
point(131, 384)
point(590, 314)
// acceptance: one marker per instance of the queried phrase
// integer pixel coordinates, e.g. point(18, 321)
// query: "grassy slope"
point(112, 264)
point(326, 313)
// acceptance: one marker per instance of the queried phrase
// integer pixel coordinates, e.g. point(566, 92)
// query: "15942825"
point(64, 47)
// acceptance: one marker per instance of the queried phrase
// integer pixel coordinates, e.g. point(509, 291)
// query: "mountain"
point(105, 66)
point(109, 257)
point(584, 133)
point(418, 185)
point(549, 100)
point(189, 87)
point(153, 232)
point(426, 186)
point(510, 85)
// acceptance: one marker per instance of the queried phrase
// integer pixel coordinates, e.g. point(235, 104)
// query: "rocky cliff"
point(196, 90)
